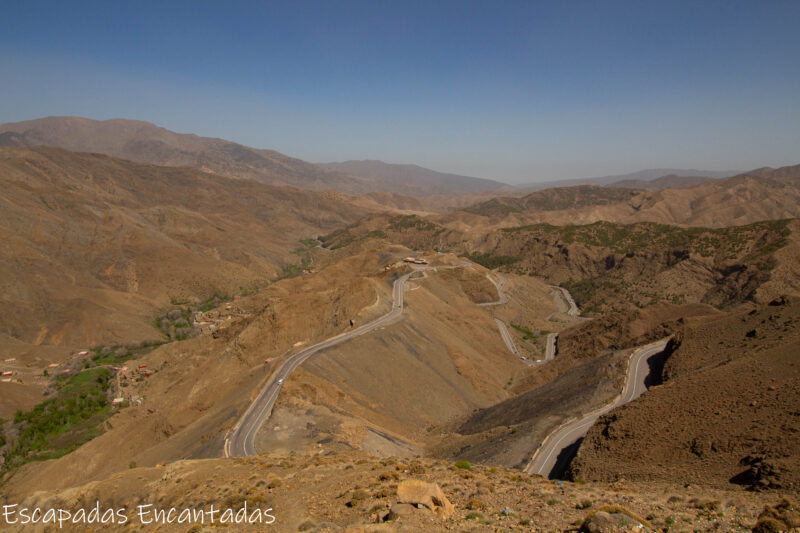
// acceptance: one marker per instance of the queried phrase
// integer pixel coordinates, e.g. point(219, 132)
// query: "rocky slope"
point(727, 411)
point(586, 374)
point(750, 197)
point(197, 388)
point(612, 266)
point(669, 181)
point(356, 492)
point(94, 245)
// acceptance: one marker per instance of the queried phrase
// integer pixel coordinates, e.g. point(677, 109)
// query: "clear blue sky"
point(517, 91)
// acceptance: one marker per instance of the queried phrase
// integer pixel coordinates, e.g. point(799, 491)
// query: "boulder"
point(398, 510)
point(603, 522)
point(428, 494)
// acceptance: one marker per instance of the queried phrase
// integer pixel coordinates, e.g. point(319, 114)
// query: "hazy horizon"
point(520, 93)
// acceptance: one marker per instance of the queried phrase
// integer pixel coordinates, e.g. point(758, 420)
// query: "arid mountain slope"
point(670, 181)
point(359, 395)
point(199, 387)
point(611, 266)
point(555, 199)
point(94, 245)
point(788, 172)
point(727, 411)
point(147, 143)
point(717, 203)
point(586, 374)
point(442, 361)
point(413, 179)
point(646, 175)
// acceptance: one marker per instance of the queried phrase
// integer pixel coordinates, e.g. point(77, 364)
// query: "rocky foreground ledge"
point(352, 491)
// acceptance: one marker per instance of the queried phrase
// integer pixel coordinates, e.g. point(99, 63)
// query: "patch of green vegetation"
point(216, 298)
point(247, 291)
point(584, 290)
point(60, 424)
point(527, 334)
point(730, 242)
point(553, 199)
point(409, 226)
point(401, 222)
point(329, 239)
point(464, 465)
point(115, 354)
point(492, 261)
point(375, 234)
point(290, 271)
point(176, 323)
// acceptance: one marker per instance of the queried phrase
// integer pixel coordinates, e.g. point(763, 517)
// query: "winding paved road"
point(545, 457)
point(503, 298)
point(240, 441)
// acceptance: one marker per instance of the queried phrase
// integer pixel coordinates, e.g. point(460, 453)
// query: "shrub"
point(769, 525)
point(585, 504)
point(492, 261)
point(359, 494)
point(475, 504)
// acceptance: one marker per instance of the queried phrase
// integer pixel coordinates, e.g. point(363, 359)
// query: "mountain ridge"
point(418, 176)
point(144, 142)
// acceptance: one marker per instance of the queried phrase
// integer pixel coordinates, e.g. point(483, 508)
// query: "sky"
point(520, 92)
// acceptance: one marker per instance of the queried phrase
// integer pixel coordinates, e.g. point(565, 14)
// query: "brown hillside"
point(610, 266)
point(743, 199)
point(670, 181)
point(147, 143)
point(726, 413)
point(585, 375)
point(93, 245)
point(199, 387)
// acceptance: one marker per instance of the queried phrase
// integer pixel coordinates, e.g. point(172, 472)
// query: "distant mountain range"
point(415, 178)
point(760, 194)
point(144, 142)
point(670, 181)
point(651, 178)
